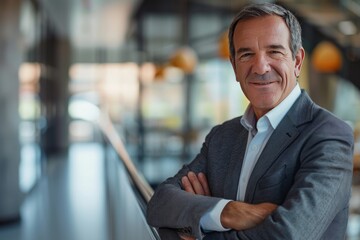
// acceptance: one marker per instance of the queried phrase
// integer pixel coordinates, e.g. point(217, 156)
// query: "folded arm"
point(235, 215)
point(320, 190)
point(319, 194)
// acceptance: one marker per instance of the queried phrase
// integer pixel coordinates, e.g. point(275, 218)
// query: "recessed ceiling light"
point(347, 27)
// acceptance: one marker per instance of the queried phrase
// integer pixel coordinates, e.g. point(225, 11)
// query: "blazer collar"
point(302, 111)
point(286, 132)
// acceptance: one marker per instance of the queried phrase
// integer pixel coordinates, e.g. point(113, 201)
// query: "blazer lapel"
point(234, 168)
point(279, 140)
point(284, 134)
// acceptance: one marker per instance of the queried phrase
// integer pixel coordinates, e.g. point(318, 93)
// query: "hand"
point(187, 237)
point(241, 216)
point(196, 184)
point(235, 215)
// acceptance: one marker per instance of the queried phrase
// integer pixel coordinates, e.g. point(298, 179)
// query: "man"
point(281, 171)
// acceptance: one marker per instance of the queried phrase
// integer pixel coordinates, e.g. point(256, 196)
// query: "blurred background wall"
point(11, 57)
point(159, 68)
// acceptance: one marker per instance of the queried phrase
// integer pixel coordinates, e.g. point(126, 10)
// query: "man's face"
point(263, 62)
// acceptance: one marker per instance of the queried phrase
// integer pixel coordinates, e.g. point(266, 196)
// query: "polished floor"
point(69, 202)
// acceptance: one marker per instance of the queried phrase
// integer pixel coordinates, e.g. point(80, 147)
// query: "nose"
point(261, 65)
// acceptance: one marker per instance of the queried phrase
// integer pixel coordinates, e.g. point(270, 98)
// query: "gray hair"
point(265, 9)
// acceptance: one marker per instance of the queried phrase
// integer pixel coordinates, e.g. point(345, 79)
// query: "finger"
point(196, 183)
point(270, 207)
point(183, 237)
point(188, 238)
point(187, 185)
point(204, 183)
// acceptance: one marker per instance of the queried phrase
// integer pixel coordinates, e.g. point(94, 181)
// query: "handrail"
point(110, 132)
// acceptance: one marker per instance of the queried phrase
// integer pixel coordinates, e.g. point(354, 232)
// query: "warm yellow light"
point(120, 82)
point(84, 72)
point(224, 51)
point(147, 72)
point(326, 58)
point(114, 82)
point(184, 58)
point(160, 73)
point(29, 72)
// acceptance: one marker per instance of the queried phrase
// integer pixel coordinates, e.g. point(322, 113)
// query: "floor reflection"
point(68, 202)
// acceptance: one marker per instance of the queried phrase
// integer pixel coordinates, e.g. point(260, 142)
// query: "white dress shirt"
point(259, 133)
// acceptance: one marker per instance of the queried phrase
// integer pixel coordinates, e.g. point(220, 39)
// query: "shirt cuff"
point(210, 221)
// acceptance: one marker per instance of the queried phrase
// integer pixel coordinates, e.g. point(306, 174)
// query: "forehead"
point(267, 29)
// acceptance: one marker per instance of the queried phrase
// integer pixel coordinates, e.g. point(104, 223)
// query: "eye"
point(245, 56)
point(276, 52)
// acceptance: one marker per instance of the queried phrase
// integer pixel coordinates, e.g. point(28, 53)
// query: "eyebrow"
point(272, 46)
point(241, 50)
point(276, 46)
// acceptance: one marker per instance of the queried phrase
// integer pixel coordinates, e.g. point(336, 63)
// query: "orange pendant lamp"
point(184, 58)
point(326, 58)
point(223, 48)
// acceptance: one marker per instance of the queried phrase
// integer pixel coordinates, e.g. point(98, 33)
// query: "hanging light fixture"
point(326, 58)
point(184, 58)
point(223, 49)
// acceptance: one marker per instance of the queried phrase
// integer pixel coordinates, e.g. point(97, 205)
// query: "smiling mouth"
point(262, 83)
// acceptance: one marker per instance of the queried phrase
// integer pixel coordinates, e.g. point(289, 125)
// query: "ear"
point(299, 58)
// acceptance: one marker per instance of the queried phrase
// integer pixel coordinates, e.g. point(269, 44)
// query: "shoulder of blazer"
point(303, 109)
point(231, 126)
point(227, 129)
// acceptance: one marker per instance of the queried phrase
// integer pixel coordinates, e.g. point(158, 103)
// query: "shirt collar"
point(275, 115)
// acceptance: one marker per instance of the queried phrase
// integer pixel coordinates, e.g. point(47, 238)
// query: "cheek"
point(286, 72)
point(240, 76)
point(290, 69)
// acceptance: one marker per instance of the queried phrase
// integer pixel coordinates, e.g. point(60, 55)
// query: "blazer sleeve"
point(321, 189)
point(173, 208)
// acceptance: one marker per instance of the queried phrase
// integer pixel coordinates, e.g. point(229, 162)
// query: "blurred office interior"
point(102, 100)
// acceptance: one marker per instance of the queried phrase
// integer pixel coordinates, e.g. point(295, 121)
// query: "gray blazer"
point(305, 168)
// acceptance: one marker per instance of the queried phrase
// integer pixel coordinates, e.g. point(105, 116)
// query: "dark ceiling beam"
point(184, 9)
point(174, 6)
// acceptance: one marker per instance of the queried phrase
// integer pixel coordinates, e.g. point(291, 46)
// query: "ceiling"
point(107, 23)
point(154, 29)
point(157, 27)
point(163, 26)
point(91, 23)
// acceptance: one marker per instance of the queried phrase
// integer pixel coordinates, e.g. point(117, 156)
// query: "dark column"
point(54, 55)
point(140, 116)
point(188, 84)
point(10, 59)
